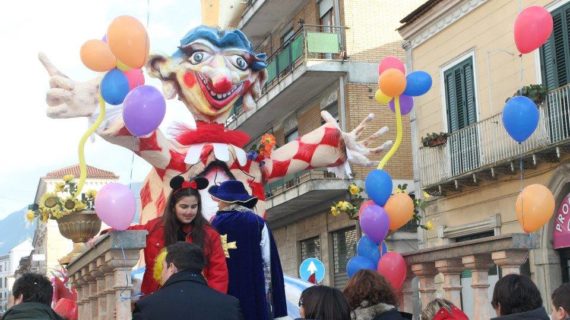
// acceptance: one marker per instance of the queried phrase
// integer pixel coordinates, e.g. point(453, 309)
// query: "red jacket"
point(216, 271)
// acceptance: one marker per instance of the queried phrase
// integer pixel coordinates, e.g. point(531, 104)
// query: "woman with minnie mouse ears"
point(182, 220)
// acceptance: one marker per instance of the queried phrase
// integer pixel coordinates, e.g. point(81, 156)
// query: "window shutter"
point(460, 96)
point(451, 98)
point(344, 248)
point(471, 110)
point(555, 54)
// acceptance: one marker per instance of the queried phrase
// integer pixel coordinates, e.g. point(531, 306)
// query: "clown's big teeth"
point(217, 96)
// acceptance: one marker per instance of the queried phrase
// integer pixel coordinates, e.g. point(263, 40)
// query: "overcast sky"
point(34, 144)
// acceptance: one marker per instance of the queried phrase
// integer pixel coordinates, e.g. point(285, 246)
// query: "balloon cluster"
point(535, 204)
point(122, 53)
point(388, 212)
point(393, 82)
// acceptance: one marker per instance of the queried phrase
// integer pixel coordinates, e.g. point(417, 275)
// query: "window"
point(333, 110)
point(461, 112)
point(292, 135)
point(555, 54)
point(344, 248)
point(311, 248)
point(287, 36)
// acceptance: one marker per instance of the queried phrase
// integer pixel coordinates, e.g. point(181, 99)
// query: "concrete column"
point(510, 261)
point(451, 270)
point(479, 266)
point(425, 273)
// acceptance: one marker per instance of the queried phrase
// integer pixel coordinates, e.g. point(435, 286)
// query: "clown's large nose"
point(221, 84)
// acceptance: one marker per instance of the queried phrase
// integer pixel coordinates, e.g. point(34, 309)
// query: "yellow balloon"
point(121, 66)
point(381, 98)
point(534, 207)
point(400, 210)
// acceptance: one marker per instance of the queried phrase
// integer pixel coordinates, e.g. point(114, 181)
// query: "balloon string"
point(398, 134)
point(81, 150)
point(521, 165)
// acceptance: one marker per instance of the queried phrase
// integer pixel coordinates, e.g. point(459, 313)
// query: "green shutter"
point(555, 54)
point(460, 96)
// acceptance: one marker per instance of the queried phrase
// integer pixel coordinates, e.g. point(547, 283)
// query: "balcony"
point(484, 150)
point(310, 62)
point(261, 16)
point(302, 194)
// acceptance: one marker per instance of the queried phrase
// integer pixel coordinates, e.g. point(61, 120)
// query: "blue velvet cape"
point(245, 266)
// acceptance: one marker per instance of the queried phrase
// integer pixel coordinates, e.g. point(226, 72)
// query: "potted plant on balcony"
point(535, 92)
point(434, 139)
point(76, 218)
point(351, 206)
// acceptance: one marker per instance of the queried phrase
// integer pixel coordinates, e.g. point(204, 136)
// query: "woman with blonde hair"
point(440, 309)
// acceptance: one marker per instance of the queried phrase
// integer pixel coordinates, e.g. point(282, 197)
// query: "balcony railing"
point(308, 43)
point(311, 42)
point(275, 188)
point(486, 144)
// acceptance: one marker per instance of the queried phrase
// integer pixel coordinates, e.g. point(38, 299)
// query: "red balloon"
point(533, 27)
point(66, 308)
point(391, 62)
point(392, 266)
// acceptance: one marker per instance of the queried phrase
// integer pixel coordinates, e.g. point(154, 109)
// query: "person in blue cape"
point(255, 273)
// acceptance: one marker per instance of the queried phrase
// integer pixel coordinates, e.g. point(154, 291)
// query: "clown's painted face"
point(212, 69)
point(212, 79)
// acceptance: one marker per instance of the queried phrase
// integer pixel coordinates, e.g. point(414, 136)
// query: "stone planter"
point(79, 227)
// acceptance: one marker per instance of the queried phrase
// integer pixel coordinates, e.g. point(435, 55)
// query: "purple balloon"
point(143, 110)
point(115, 205)
point(375, 223)
point(406, 104)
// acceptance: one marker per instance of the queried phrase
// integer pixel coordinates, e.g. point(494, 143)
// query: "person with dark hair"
point(32, 299)
point(517, 297)
point(371, 297)
point(442, 309)
point(561, 303)
point(182, 220)
point(323, 303)
point(185, 294)
point(255, 274)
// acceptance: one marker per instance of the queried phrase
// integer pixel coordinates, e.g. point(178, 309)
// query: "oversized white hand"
point(67, 98)
point(359, 150)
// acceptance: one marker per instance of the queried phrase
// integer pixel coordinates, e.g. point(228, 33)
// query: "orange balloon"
point(392, 82)
point(128, 41)
point(96, 55)
point(534, 207)
point(400, 210)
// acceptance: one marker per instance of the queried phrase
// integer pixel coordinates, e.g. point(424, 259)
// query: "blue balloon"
point(368, 249)
point(417, 83)
point(114, 87)
point(358, 263)
point(379, 186)
point(520, 118)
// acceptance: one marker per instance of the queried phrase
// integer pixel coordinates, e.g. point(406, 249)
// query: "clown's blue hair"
point(223, 39)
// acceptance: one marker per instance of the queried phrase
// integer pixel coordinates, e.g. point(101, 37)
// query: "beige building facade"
point(322, 55)
point(474, 178)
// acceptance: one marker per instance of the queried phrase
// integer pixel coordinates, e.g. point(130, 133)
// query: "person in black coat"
point(371, 297)
point(517, 297)
point(185, 294)
point(323, 303)
point(32, 298)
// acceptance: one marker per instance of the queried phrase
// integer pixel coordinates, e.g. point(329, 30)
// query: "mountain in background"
point(14, 229)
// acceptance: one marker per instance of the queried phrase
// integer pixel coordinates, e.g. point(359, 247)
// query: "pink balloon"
point(391, 62)
point(392, 266)
point(115, 205)
point(135, 78)
point(533, 27)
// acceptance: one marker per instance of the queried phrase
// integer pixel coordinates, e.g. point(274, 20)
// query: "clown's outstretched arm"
point(67, 98)
point(326, 146)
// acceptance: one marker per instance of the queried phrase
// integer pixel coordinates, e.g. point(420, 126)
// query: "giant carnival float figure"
point(211, 71)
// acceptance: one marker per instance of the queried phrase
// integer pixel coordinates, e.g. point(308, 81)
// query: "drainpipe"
point(341, 102)
point(407, 45)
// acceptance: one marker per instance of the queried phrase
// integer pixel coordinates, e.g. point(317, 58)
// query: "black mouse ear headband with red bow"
point(178, 183)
